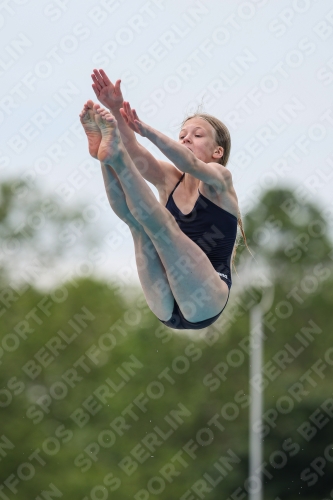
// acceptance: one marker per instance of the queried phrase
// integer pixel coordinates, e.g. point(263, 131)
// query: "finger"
point(93, 76)
point(96, 82)
point(95, 89)
point(135, 115)
point(105, 77)
point(127, 110)
point(117, 87)
point(124, 115)
point(99, 78)
point(132, 114)
point(126, 107)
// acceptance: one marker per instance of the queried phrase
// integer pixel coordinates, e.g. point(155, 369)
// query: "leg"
point(151, 272)
point(152, 275)
point(197, 288)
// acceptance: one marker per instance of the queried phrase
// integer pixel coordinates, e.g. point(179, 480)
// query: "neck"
point(190, 183)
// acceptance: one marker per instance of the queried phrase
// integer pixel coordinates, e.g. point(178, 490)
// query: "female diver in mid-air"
point(184, 242)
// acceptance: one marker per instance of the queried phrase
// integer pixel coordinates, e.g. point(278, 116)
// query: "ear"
point(218, 153)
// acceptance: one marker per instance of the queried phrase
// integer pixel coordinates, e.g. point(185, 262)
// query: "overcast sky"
point(264, 67)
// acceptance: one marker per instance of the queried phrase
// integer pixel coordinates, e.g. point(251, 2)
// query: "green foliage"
point(38, 231)
point(85, 398)
point(287, 233)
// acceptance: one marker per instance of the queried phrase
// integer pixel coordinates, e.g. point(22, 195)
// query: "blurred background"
point(98, 398)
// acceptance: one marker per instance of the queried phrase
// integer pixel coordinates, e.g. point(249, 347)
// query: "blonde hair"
point(223, 139)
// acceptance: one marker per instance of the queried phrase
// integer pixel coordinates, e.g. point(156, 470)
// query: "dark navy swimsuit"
point(214, 230)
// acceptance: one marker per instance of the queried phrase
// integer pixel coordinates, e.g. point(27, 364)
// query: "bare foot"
point(87, 118)
point(111, 145)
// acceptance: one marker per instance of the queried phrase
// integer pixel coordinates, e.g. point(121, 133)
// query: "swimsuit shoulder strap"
point(177, 184)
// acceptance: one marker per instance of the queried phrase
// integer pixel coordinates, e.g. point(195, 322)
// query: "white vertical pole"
point(256, 406)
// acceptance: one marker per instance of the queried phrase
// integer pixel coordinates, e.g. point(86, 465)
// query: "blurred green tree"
point(38, 232)
point(98, 399)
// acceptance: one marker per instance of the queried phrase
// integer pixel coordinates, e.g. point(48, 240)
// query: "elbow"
point(227, 179)
point(227, 175)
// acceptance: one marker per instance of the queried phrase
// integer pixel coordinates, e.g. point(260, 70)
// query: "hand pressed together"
point(111, 96)
point(108, 94)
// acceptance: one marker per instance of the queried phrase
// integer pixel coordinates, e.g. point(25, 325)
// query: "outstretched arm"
point(212, 173)
point(110, 96)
